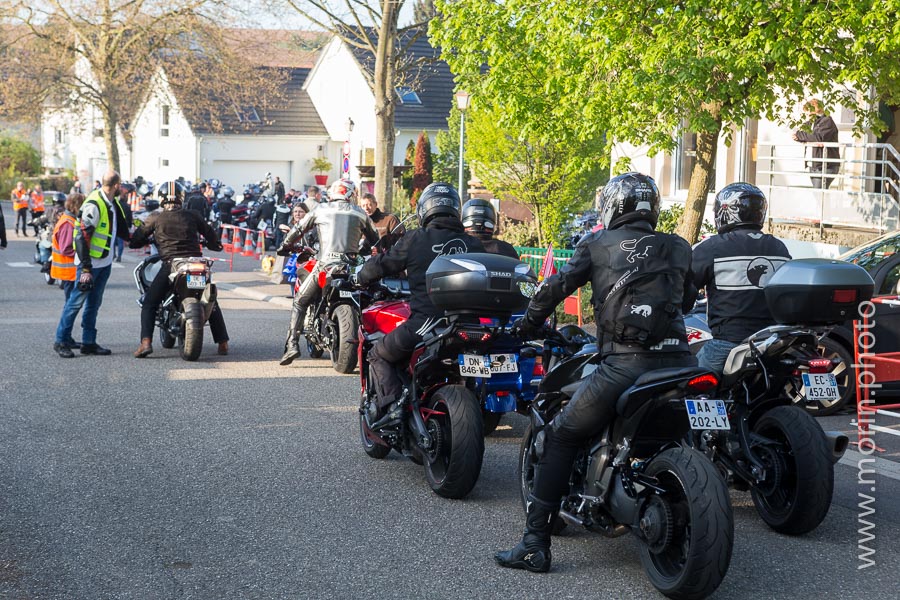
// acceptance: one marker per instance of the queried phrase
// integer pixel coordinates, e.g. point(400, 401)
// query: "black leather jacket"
point(176, 234)
point(414, 253)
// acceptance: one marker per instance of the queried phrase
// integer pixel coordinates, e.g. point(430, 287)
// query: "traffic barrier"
point(872, 370)
point(248, 243)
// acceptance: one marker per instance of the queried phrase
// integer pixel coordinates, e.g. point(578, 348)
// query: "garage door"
point(238, 173)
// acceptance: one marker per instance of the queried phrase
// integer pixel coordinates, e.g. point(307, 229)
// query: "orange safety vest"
point(20, 199)
point(62, 267)
point(37, 202)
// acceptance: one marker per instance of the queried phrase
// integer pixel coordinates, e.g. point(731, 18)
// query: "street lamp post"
point(462, 103)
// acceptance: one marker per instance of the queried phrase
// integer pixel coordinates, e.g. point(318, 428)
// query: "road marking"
point(256, 295)
point(21, 265)
point(883, 467)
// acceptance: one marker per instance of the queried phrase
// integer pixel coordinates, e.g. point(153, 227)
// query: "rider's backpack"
point(641, 306)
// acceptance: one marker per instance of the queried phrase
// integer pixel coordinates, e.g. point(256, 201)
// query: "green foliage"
point(670, 218)
point(518, 234)
point(18, 157)
point(446, 159)
point(406, 180)
point(321, 165)
point(645, 71)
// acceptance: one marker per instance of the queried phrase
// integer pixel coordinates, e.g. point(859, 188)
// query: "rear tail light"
point(473, 336)
point(703, 383)
point(502, 394)
point(819, 365)
point(538, 370)
point(843, 296)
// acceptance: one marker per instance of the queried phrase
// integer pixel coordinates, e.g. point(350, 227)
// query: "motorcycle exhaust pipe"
point(837, 443)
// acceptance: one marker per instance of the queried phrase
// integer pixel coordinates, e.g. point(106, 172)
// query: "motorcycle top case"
point(487, 284)
point(817, 291)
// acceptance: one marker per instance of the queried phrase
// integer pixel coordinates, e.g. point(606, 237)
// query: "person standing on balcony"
point(820, 129)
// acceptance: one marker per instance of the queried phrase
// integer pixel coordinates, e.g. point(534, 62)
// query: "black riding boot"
point(292, 342)
point(533, 552)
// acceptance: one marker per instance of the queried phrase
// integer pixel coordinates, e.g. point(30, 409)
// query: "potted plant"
point(321, 167)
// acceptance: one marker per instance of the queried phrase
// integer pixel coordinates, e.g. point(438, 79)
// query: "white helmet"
point(342, 189)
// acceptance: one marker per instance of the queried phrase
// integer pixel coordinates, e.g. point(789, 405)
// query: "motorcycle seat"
point(644, 387)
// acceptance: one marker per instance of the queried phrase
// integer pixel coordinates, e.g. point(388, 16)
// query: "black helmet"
point(437, 199)
point(479, 216)
point(739, 204)
point(629, 197)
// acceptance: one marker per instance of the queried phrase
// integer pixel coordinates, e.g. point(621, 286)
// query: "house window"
point(408, 95)
point(247, 114)
point(98, 132)
point(164, 162)
point(164, 121)
point(58, 136)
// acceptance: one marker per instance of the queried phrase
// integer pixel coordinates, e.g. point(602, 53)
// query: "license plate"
point(196, 281)
point(707, 414)
point(819, 386)
point(504, 363)
point(474, 365)
point(346, 294)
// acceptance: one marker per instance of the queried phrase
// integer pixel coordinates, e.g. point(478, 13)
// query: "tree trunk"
point(384, 105)
point(536, 211)
point(701, 177)
point(110, 122)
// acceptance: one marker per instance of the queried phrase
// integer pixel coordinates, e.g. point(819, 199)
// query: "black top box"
point(817, 291)
point(486, 284)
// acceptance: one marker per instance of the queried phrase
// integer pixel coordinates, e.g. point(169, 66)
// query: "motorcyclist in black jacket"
point(440, 232)
point(480, 219)
point(176, 233)
point(196, 200)
point(734, 266)
point(616, 260)
point(225, 204)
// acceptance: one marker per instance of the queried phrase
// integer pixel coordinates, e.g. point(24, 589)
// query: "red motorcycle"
point(441, 426)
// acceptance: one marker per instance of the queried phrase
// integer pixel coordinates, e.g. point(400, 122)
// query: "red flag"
point(548, 268)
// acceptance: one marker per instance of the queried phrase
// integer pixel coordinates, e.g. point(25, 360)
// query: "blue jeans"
point(713, 355)
point(67, 287)
point(91, 301)
point(118, 247)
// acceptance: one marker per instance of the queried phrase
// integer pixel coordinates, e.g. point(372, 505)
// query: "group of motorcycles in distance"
point(681, 438)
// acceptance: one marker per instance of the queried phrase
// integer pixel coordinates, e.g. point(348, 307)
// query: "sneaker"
point(95, 349)
point(63, 351)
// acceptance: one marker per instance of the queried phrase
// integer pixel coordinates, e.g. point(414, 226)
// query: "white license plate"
point(707, 414)
point(346, 294)
point(504, 363)
point(474, 365)
point(196, 281)
point(819, 386)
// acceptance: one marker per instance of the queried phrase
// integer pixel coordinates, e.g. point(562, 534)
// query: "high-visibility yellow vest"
point(62, 267)
point(101, 239)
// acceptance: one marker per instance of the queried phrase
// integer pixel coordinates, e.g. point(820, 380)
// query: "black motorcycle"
point(639, 475)
point(333, 322)
point(759, 440)
point(192, 297)
point(43, 247)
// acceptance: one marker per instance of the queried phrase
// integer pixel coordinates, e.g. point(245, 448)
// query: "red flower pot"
point(321, 179)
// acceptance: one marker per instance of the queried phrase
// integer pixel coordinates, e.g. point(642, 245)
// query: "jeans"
point(22, 217)
point(118, 247)
point(91, 301)
point(713, 355)
point(67, 287)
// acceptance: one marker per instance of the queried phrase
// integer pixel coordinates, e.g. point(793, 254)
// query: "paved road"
point(235, 478)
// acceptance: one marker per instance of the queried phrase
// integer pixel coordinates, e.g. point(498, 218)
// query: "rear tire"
point(694, 561)
point(193, 329)
point(343, 355)
point(452, 468)
point(525, 474)
point(843, 374)
point(802, 499)
point(373, 449)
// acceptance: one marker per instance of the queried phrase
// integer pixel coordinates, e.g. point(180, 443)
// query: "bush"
point(670, 217)
point(18, 159)
point(518, 233)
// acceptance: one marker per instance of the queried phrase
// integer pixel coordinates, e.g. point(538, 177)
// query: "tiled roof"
point(431, 79)
point(298, 117)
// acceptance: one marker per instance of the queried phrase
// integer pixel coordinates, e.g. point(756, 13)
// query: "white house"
point(169, 144)
point(764, 153)
point(340, 92)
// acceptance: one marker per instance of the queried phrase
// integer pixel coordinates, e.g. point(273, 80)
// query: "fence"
point(534, 257)
point(873, 370)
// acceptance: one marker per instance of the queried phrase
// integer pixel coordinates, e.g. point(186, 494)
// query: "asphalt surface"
point(233, 477)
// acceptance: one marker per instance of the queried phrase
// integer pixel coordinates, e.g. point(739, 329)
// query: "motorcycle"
point(333, 322)
point(638, 475)
point(754, 435)
point(188, 306)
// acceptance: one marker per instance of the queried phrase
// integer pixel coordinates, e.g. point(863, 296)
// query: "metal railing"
point(860, 189)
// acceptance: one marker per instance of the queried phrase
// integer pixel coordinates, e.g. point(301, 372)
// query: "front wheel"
point(343, 351)
point(797, 495)
point(367, 413)
point(193, 329)
point(47, 279)
point(688, 531)
point(453, 463)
